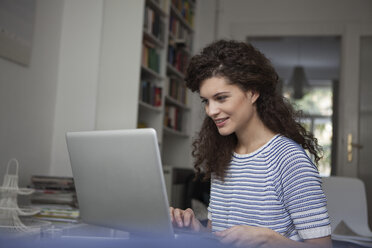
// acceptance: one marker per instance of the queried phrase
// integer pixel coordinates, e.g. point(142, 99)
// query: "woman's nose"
point(212, 109)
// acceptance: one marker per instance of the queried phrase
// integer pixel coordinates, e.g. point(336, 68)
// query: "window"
point(316, 105)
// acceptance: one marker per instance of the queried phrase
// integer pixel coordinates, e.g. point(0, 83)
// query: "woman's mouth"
point(220, 122)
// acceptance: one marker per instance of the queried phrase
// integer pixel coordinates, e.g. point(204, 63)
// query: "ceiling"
point(320, 56)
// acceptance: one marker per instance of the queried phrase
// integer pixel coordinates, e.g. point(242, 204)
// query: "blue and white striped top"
point(277, 187)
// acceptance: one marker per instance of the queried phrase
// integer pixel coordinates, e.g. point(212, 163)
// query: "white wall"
point(28, 97)
point(205, 32)
point(286, 12)
point(205, 26)
point(76, 44)
point(56, 93)
point(77, 79)
point(118, 87)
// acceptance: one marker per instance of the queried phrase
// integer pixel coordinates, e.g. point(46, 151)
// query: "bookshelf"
point(172, 42)
point(163, 98)
point(146, 46)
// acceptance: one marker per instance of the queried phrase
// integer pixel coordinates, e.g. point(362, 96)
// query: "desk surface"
point(84, 235)
point(77, 234)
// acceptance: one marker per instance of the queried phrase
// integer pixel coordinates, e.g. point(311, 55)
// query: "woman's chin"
point(224, 132)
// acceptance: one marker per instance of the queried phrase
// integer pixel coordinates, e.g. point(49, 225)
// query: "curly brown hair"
point(243, 65)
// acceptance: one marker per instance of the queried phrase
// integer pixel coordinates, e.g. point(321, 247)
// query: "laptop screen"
point(119, 180)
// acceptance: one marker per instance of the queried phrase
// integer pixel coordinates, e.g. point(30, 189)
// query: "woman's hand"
point(246, 236)
point(184, 219)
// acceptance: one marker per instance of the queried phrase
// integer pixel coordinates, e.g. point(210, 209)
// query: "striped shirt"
point(277, 187)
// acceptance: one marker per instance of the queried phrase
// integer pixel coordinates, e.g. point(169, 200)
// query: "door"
point(365, 118)
point(355, 114)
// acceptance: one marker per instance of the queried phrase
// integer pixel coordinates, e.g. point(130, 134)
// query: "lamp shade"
point(298, 82)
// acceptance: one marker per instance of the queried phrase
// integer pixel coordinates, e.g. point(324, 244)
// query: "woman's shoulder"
point(282, 144)
point(290, 155)
point(286, 151)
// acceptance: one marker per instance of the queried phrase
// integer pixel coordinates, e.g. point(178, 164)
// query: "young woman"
point(265, 191)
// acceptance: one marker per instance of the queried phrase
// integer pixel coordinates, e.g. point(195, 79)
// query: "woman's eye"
point(221, 98)
point(204, 101)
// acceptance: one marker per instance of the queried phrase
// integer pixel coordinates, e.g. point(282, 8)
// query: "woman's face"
point(230, 108)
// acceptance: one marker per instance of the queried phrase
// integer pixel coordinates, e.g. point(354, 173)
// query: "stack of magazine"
point(56, 197)
point(53, 190)
point(58, 213)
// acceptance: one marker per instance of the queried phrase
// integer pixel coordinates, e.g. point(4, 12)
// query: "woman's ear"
point(253, 95)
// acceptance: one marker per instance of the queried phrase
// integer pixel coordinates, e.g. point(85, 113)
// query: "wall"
point(28, 97)
point(77, 80)
point(205, 31)
point(56, 92)
point(118, 88)
point(291, 11)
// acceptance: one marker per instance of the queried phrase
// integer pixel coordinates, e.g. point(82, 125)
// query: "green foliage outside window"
point(316, 105)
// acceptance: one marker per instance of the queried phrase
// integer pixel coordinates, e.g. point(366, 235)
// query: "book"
point(53, 190)
point(150, 93)
point(53, 182)
point(59, 213)
point(150, 56)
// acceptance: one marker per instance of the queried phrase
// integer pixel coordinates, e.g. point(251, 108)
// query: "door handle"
point(350, 146)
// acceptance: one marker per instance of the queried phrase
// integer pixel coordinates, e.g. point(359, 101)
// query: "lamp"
point(298, 82)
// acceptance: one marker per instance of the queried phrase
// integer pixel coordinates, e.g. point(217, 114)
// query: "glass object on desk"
point(51, 232)
point(10, 212)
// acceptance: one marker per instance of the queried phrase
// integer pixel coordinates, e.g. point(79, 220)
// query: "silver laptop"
point(119, 180)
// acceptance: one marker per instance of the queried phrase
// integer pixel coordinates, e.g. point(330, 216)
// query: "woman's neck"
point(255, 135)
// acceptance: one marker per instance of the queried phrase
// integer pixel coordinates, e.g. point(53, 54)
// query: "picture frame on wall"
point(16, 30)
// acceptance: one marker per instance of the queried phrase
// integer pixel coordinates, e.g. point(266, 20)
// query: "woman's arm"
point(248, 236)
point(281, 241)
point(209, 225)
point(320, 242)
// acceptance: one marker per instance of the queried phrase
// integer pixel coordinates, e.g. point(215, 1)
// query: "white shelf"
point(149, 107)
point(156, 7)
point(181, 19)
point(151, 73)
point(150, 37)
point(186, 49)
point(172, 101)
point(175, 145)
point(173, 70)
point(173, 132)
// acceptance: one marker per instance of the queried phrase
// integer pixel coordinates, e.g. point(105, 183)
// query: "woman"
point(265, 191)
